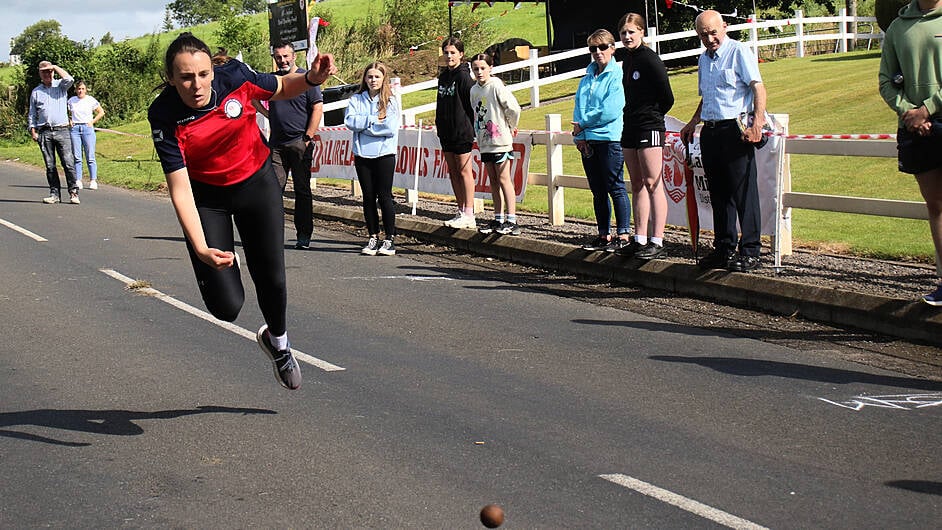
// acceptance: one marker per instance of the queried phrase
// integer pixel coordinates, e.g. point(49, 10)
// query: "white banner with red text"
point(768, 166)
point(333, 158)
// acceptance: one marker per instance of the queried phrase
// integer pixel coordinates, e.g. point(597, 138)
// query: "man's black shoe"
point(744, 264)
point(717, 259)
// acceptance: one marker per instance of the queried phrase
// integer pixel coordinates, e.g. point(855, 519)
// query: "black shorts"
point(496, 158)
point(918, 154)
point(458, 149)
point(642, 139)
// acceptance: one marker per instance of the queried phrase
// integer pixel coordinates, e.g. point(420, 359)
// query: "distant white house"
point(15, 60)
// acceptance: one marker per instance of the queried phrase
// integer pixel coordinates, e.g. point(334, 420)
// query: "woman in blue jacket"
point(373, 116)
point(596, 128)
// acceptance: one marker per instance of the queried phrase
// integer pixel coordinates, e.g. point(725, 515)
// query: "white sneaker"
point(93, 185)
point(73, 198)
point(78, 183)
point(462, 221)
point(451, 222)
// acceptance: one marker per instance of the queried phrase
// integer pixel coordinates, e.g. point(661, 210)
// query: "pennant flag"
point(518, 5)
point(670, 3)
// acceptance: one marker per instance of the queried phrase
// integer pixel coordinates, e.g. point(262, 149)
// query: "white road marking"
point(406, 277)
point(690, 505)
point(299, 355)
point(22, 230)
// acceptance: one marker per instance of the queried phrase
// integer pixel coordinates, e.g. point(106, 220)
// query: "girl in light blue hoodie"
point(374, 117)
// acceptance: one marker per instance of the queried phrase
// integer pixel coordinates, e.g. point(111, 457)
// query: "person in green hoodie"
point(911, 84)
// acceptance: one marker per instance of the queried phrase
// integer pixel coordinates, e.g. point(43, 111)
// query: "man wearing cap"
point(49, 126)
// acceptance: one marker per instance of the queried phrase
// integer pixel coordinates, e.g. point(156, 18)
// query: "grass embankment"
point(821, 95)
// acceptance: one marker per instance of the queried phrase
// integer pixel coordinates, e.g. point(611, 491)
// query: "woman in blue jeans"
point(84, 112)
point(596, 128)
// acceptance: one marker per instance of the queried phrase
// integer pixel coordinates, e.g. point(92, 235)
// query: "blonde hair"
point(601, 36)
point(385, 91)
point(635, 20)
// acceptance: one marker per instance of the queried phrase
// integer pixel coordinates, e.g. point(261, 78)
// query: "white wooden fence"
point(790, 31)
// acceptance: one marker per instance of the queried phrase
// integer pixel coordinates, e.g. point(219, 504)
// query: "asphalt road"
point(434, 391)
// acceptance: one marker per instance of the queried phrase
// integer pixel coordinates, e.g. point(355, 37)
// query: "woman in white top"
point(84, 112)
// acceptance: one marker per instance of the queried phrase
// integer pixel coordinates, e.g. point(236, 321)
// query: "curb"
point(907, 319)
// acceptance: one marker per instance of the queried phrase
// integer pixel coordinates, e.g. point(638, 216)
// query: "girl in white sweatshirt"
point(496, 113)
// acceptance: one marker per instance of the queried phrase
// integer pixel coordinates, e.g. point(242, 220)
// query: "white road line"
point(690, 505)
point(299, 355)
point(22, 230)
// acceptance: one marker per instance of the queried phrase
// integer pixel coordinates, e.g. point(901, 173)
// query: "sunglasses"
point(602, 47)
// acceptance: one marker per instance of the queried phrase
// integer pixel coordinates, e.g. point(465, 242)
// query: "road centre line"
point(299, 355)
point(690, 505)
point(22, 230)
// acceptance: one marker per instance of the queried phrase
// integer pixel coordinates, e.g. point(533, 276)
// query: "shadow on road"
point(113, 422)
point(758, 367)
point(919, 486)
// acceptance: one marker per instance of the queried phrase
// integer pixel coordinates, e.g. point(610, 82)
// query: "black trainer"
point(717, 259)
point(599, 243)
point(287, 370)
point(493, 226)
point(650, 251)
point(617, 244)
point(744, 263)
point(630, 249)
point(509, 228)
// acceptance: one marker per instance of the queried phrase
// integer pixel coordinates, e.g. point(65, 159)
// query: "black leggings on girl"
point(376, 179)
point(255, 205)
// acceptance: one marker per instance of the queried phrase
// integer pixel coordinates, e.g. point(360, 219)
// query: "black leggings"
point(376, 179)
point(256, 207)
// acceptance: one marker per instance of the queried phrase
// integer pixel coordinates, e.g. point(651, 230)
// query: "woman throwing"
point(373, 116)
point(84, 112)
point(648, 97)
point(596, 127)
point(453, 116)
point(496, 113)
point(218, 172)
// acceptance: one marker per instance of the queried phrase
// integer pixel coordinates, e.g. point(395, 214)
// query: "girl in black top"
point(453, 121)
point(648, 97)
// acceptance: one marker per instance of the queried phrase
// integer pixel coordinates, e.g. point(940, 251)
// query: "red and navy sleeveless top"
point(219, 144)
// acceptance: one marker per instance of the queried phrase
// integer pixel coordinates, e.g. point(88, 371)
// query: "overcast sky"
point(81, 20)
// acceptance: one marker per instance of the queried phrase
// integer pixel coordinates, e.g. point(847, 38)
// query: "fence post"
point(652, 33)
point(800, 32)
point(555, 204)
point(754, 34)
point(534, 78)
point(843, 32)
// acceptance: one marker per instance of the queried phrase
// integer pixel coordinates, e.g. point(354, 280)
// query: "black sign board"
point(287, 22)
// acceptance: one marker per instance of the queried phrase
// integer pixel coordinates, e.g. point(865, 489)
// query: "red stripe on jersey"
point(225, 147)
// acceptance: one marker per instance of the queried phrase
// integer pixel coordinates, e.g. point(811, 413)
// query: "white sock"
point(643, 240)
point(499, 217)
point(659, 241)
point(280, 343)
point(512, 218)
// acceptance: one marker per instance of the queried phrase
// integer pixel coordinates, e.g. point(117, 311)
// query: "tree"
point(242, 34)
point(106, 39)
point(37, 32)
point(194, 12)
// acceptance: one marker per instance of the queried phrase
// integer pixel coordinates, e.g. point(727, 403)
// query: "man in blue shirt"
point(294, 124)
point(729, 84)
point(49, 126)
